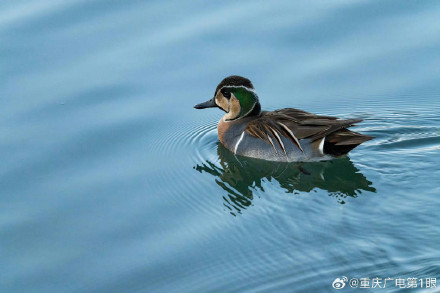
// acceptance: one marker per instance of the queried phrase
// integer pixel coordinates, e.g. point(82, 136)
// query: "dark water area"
point(110, 181)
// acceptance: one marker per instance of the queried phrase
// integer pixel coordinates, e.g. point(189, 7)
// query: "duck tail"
point(341, 142)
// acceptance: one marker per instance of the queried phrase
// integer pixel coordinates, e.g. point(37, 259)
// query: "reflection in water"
point(239, 176)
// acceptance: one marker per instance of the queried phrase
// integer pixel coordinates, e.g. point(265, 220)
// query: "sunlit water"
point(111, 182)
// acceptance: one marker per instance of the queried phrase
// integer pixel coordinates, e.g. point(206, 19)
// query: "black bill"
point(208, 104)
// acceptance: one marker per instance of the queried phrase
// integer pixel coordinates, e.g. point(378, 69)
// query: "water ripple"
point(198, 137)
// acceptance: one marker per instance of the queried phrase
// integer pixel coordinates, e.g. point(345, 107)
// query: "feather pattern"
point(271, 142)
point(296, 124)
point(279, 141)
point(291, 136)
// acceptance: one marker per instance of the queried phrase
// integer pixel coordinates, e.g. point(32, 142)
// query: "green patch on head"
point(246, 97)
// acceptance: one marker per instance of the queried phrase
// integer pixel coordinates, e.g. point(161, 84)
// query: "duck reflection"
point(241, 176)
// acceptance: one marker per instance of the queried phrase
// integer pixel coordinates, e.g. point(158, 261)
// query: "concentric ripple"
point(195, 140)
point(184, 144)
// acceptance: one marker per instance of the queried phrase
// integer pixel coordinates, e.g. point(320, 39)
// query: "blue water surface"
point(110, 181)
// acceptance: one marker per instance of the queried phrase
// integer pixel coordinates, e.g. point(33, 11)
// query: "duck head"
point(236, 96)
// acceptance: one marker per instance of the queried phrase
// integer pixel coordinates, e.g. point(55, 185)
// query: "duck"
point(285, 135)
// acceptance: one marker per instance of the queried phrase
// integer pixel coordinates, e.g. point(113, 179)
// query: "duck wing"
point(297, 124)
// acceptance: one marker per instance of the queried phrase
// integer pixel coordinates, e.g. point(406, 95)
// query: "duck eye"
point(226, 94)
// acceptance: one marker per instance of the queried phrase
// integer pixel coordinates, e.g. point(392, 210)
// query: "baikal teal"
point(300, 136)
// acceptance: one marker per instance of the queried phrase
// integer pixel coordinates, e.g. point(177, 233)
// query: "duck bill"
point(208, 104)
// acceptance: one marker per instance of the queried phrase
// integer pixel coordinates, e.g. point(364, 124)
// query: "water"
point(111, 182)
